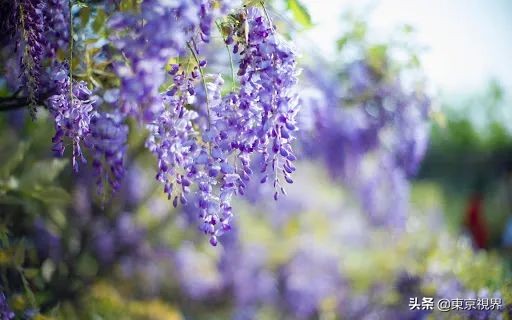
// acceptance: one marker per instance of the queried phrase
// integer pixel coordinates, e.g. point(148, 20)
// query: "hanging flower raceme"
point(371, 132)
point(71, 107)
point(266, 103)
point(174, 142)
point(160, 31)
point(57, 24)
point(188, 159)
point(205, 142)
point(33, 31)
point(107, 142)
point(31, 38)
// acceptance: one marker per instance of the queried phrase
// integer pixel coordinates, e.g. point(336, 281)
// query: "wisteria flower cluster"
point(72, 108)
point(34, 31)
point(371, 132)
point(30, 16)
point(211, 148)
point(78, 119)
point(148, 39)
point(57, 19)
point(207, 139)
point(5, 311)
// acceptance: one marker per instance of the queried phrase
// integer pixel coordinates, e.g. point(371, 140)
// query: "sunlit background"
point(465, 55)
point(466, 42)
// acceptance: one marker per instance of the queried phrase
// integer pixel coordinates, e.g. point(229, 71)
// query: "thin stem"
point(28, 61)
point(13, 103)
point(203, 80)
point(71, 51)
point(230, 56)
point(267, 15)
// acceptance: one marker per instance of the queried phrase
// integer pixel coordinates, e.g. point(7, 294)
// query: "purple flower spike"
point(72, 112)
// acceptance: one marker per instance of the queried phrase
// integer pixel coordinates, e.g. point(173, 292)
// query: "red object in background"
point(475, 221)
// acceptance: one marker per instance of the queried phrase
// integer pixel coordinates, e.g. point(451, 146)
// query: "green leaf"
point(31, 273)
point(42, 172)
point(407, 28)
point(377, 56)
point(253, 3)
point(127, 5)
point(300, 13)
point(414, 61)
point(19, 255)
point(85, 14)
point(11, 200)
point(99, 21)
point(4, 235)
point(80, 4)
point(29, 205)
point(87, 265)
point(50, 195)
point(342, 42)
point(13, 160)
point(28, 291)
point(10, 183)
point(359, 30)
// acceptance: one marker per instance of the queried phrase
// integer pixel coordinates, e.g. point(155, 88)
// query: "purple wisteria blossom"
point(267, 102)
point(57, 24)
point(189, 262)
point(189, 159)
point(31, 28)
point(121, 237)
point(72, 108)
point(47, 244)
point(208, 148)
point(162, 30)
point(207, 141)
point(33, 33)
point(371, 133)
point(248, 265)
point(107, 142)
point(5, 311)
point(310, 278)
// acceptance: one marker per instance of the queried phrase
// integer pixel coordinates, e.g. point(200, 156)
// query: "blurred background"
point(403, 188)
point(464, 62)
